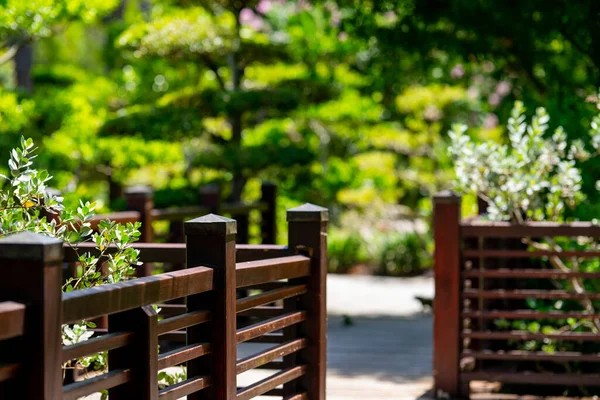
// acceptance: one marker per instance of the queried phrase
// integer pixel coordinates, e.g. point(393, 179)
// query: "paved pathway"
point(386, 353)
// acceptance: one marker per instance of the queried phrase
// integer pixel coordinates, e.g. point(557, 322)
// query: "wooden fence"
point(140, 207)
point(293, 277)
point(486, 276)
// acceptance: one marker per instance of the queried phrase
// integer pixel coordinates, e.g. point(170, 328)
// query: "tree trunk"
point(23, 64)
point(235, 119)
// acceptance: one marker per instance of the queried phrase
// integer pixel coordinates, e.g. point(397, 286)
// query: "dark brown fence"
point(286, 308)
point(140, 207)
point(495, 311)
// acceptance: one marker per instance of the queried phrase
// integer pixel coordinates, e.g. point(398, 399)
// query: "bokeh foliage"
point(343, 103)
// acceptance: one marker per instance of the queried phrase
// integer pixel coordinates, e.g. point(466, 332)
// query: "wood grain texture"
point(263, 271)
point(97, 344)
point(307, 233)
point(183, 321)
point(264, 357)
point(446, 308)
point(35, 280)
point(12, 319)
point(267, 384)
point(270, 325)
point(478, 228)
point(211, 241)
point(270, 297)
point(185, 388)
point(140, 357)
point(107, 299)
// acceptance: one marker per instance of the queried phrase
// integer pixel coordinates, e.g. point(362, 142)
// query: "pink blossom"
point(248, 17)
point(494, 99)
point(264, 6)
point(503, 88)
point(490, 121)
point(457, 72)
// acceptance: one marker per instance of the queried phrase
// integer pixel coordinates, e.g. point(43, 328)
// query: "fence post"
point(140, 199)
point(141, 357)
point(32, 274)
point(210, 241)
point(210, 197)
point(268, 225)
point(446, 306)
point(308, 232)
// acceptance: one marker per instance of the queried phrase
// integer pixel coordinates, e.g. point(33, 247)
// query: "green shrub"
point(405, 253)
point(345, 249)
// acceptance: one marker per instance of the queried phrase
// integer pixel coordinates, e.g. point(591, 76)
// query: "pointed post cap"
point(447, 197)
point(308, 213)
point(211, 224)
point(31, 247)
point(139, 190)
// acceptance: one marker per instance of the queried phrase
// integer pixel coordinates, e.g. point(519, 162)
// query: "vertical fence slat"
point(141, 356)
point(268, 225)
point(446, 322)
point(31, 273)
point(141, 199)
point(308, 228)
point(211, 242)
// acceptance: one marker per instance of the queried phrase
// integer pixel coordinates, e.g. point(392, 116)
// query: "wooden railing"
point(285, 307)
point(140, 207)
point(486, 276)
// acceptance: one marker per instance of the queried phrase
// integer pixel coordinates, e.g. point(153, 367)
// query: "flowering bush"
point(534, 177)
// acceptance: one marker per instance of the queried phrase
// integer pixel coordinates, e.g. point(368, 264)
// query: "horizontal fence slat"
point(183, 321)
point(477, 228)
point(299, 396)
point(517, 355)
point(175, 252)
point(105, 381)
point(253, 252)
point(270, 297)
point(524, 335)
point(178, 213)
point(271, 382)
point(528, 314)
point(97, 344)
point(183, 354)
point(533, 378)
point(184, 388)
point(270, 325)
point(515, 273)
point(9, 371)
point(264, 357)
point(107, 299)
point(527, 254)
point(12, 319)
point(262, 271)
point(528, 294)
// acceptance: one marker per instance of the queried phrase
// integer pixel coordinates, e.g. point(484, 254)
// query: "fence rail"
point(489, 279)
point(285, 306)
